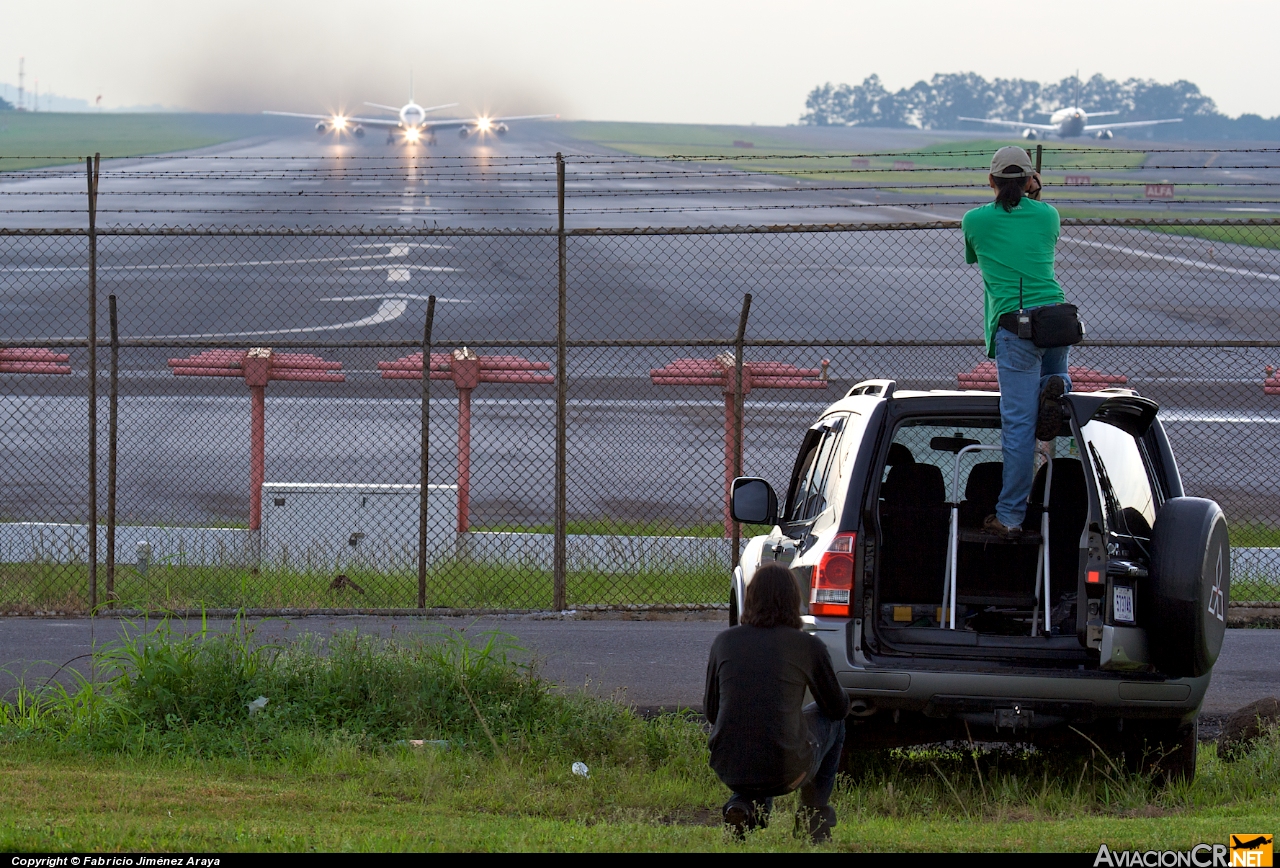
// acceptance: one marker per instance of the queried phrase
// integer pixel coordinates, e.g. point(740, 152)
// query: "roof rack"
point(875, 388)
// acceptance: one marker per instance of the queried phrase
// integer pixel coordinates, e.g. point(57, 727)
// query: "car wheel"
point(1165, 750)
point(733, 608)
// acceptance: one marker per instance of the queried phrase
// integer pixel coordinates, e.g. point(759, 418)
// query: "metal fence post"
point(425, 444)
point(559, 600)
point(738, 341)
point(91, 175)
point(112, 427)
point(1039, 156)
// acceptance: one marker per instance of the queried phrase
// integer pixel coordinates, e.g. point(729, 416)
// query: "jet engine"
point(464, 132)
point(322, 128)
point(501, 129)
point(1104, 134)
point(1030, 135)
point(358, 131)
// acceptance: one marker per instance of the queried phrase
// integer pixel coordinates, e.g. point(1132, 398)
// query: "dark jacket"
point(756, 680)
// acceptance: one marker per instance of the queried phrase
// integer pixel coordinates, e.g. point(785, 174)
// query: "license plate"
point(1122, 603)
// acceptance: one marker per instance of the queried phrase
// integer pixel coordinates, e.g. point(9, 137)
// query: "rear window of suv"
point(818, 471)
point(1121, 471)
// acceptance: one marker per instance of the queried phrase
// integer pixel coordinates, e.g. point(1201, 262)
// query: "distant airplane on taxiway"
point(1071, 121)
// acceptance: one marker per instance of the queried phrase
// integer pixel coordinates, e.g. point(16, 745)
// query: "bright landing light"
point(484, 125)
point(412, 135)
point(339, 122)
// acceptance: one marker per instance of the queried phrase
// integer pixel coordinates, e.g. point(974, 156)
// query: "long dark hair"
point(772, 598)
point(1009, 191)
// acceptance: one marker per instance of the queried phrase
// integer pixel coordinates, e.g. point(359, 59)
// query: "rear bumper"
point(1063, 695)
point(1076, 696)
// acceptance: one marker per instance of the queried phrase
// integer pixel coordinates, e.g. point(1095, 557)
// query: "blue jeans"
point(827, 737)
point(1023, 369)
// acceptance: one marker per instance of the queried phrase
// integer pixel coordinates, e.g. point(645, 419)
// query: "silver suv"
point(1103, 620)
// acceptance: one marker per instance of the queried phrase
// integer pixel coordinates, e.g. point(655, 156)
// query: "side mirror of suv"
point(753, 501)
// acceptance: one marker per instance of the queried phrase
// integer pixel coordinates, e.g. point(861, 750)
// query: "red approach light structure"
point(755, 375)
point(1082, 379)
point(258, 367)
point(24, 360)
point(467, 370)
point(1271, 385)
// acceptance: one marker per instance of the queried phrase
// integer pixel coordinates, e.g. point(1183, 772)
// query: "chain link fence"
point(257, 423)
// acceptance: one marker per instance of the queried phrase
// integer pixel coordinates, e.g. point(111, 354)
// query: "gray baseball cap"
point(1012, 162)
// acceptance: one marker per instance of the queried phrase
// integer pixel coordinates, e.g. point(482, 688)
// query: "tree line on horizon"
point(938, 104)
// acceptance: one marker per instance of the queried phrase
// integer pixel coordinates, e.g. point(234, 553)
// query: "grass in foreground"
point(166, 754)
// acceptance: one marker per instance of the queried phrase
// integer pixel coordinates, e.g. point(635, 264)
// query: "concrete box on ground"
point(338, 526)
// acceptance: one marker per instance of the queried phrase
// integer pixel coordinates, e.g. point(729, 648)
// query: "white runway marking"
point(433, 268)
point(1177, 260)
point(409, 295)
point(387, 311)
point(173, 266)
point(398, 246)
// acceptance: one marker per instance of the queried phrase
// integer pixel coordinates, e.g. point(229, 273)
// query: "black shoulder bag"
point(1053, 325)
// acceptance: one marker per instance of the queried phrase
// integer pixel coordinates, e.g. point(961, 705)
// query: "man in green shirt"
point(1013, 240)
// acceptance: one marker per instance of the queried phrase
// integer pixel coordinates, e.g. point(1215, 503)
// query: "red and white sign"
point(1159, 191)
point(1078, 181)
point(903, 164)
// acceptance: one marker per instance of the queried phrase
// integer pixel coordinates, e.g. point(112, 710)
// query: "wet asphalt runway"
point(652, 663)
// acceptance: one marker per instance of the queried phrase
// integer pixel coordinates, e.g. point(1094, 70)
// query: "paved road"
point(655, 663)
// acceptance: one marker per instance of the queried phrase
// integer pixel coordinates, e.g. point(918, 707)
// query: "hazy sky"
point(693, 60)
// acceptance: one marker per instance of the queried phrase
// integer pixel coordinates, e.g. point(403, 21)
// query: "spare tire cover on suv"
point(1189, 586)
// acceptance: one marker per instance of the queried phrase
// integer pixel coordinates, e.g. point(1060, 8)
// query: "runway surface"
point(646, 663)
point(184, 444)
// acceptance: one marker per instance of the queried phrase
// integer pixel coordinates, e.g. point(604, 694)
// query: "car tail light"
point(831, 588)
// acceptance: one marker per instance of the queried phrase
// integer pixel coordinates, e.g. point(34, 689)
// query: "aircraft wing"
point(1093, 127)
point(372, 122)
point(454, 123)
point(1021, 125)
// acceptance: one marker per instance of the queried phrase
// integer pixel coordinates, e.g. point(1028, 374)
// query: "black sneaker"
point(995, 527)
point(816, 823)
point(1049, 420)
point(740, 817)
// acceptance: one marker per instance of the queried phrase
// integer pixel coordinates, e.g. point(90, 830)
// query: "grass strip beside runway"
point(58, 138)
point(170, 755)
point(27, 588)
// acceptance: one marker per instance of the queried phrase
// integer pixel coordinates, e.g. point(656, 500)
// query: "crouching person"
point(764, 741)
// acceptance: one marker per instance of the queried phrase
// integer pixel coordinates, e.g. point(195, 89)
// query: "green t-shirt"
point(1008, 246)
